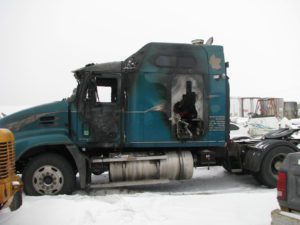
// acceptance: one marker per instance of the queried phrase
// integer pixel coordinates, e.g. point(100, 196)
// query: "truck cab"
point(164, 95)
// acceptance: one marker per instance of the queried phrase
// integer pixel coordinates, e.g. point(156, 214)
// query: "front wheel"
point(48, 174)
point(270, 166)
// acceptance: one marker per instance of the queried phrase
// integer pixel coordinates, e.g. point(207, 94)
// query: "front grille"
point(7, 159)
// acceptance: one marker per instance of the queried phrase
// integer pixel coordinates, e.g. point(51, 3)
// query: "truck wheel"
point(48, 174)
point(271, 165)
point(16, 202)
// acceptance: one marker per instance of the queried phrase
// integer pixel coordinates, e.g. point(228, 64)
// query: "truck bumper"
point(8, 188)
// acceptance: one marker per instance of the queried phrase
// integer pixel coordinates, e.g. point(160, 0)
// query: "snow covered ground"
point(212, 197)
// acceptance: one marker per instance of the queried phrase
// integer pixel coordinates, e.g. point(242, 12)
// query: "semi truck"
point(148, 119)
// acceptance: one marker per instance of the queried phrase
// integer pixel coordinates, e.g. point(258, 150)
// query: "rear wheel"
point(48, 174)
point(270, 166)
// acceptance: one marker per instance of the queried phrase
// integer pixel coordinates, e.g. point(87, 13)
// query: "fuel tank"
point(177, 166)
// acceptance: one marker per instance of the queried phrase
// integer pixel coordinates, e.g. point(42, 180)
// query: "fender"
point(29, 142)
point(81, 164)
point(256, 154)
point(24, 144)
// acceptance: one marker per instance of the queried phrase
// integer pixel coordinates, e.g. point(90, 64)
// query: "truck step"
point(236, 170)
point(128, 158)
point(128, 183)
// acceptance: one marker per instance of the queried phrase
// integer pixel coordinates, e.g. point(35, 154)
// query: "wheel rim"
point(48, 180)
point(277, 163)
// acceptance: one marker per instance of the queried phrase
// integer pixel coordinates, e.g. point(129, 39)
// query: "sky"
point(42, 41)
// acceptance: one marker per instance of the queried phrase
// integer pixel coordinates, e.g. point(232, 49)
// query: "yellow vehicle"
point(10, 183)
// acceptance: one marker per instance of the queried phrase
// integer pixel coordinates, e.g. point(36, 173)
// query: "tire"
point(48, 174)
point(17, 201)
point(270, 166)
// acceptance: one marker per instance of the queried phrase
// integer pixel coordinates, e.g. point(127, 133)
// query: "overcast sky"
point(41, 41)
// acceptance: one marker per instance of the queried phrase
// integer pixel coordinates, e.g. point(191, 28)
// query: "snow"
point(293, 214)
point(211, 197)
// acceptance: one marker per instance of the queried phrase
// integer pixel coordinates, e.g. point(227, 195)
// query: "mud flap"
point(233, 162)
point(81, 164)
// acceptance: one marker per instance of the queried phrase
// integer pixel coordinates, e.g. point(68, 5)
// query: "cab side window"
point(106, 89)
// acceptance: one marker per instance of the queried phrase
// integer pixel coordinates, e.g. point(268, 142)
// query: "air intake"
point(47, 120)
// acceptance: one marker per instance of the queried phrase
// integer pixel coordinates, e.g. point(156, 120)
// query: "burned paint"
point(160, 107)
point(101, 120)
point(187, 106)
point(215, 62)
point(18, 125)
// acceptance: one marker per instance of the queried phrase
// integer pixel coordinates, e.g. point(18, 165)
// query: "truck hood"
point(45, 114)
